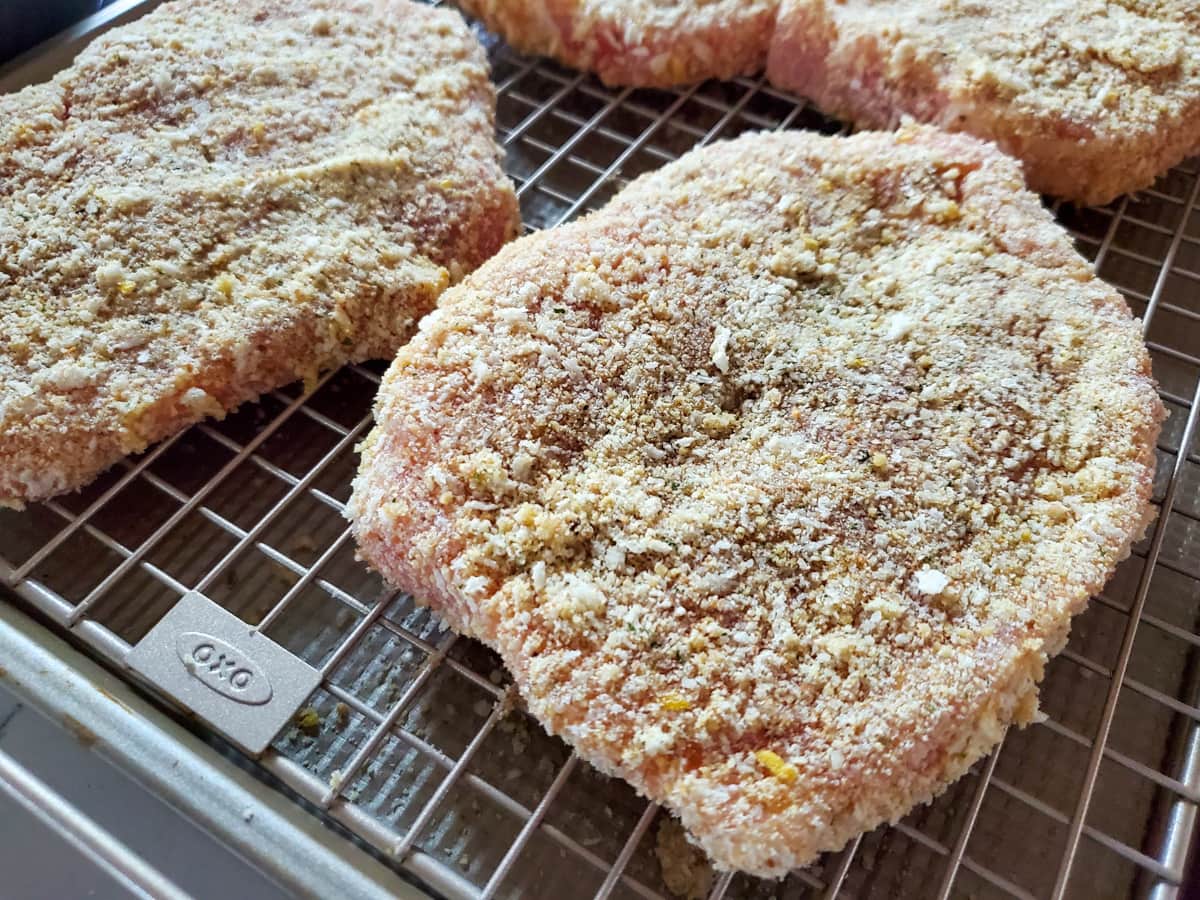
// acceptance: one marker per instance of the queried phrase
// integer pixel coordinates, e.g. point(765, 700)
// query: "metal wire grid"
point(421, 750)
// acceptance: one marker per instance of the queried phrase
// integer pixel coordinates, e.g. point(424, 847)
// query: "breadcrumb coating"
point(776, 481)
point(1096, 97)
point(223, 197)
point(645, 43)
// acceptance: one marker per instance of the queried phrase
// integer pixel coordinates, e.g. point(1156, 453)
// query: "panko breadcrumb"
point(776, 481)
point(645, 43)
point(1096, 97)
point(223, 197)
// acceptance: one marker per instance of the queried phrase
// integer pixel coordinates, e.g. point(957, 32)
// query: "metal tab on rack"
point(241, 683)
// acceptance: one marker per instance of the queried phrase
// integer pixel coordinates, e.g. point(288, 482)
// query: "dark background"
point(24, 23)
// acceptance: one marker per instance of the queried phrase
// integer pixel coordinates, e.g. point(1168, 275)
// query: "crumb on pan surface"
point(223, 197)
point(775, 481)
point(645, 43)
point(1095, 97)
point(685, 870)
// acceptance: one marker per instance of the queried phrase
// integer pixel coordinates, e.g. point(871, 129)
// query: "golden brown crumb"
point(774, 482)
point(1095, 97)
point(223, 197)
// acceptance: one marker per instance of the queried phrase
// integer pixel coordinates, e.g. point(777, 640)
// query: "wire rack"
point(419, 748)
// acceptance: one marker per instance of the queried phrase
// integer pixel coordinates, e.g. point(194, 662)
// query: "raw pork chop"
point(775, 481)
point(645, 43)
point(221, 198)
point(1095, 97)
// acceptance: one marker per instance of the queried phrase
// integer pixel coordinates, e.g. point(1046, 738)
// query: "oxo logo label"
point(223, 668)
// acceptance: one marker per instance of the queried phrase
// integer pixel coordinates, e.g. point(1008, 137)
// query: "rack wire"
point(421, 749)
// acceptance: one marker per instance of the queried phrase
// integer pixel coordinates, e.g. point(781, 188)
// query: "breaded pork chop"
point(775, 481)
point(644, 43)
point(223, 197)
point(1096, 97)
